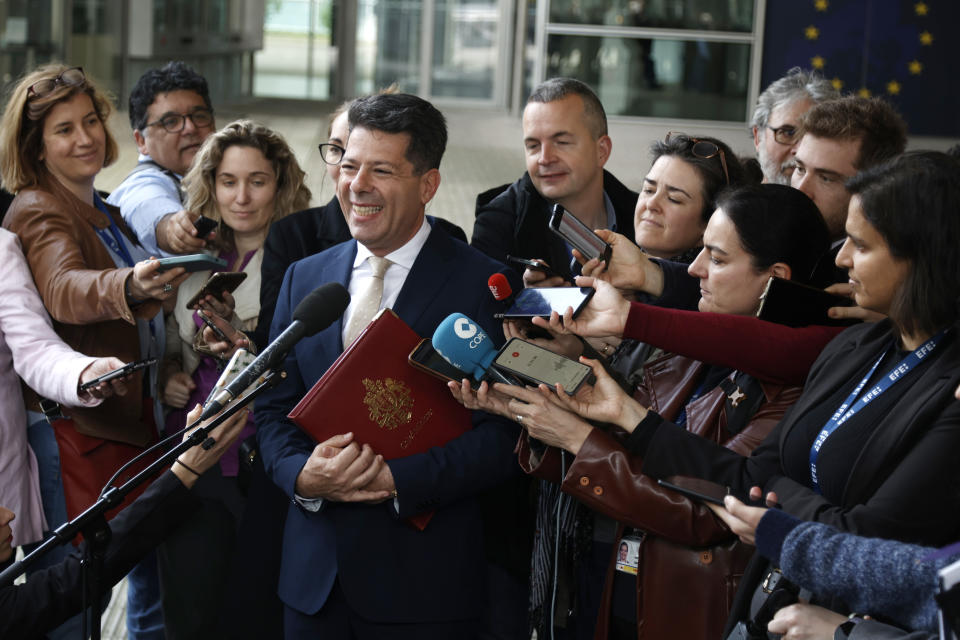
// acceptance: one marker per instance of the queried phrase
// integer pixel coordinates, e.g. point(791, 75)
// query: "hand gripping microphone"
point(462, 343)
point(500, 287)
point(316, 312)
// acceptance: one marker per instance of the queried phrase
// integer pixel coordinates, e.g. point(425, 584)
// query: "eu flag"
point(903, 51)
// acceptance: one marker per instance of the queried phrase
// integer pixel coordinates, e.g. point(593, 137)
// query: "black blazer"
point(515, 223)
point(53, 595)
point(904, 482)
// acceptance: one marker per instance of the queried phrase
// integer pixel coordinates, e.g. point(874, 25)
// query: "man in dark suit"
point(566, 146)
point(351, 566)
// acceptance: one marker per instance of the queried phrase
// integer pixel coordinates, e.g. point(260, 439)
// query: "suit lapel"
point(431, 270)
point(336, 268)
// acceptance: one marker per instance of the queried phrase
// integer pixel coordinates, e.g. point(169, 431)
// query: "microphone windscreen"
point(321, 307)
point(500, 286)
point(462, 343)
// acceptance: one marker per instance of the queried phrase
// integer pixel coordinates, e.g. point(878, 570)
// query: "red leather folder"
point(372, 391)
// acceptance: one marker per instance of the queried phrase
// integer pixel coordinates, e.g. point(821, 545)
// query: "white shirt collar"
point(406, 255)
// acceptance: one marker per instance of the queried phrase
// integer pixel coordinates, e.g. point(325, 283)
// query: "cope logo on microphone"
point(464, 329)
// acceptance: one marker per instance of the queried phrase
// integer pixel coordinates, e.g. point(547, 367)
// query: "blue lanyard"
point(852, 405)
point(113, 238)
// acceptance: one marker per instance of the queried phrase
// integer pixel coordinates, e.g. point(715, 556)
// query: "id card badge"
point(628, 554)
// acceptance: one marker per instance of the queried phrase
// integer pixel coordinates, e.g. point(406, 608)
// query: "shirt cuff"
point(772, 532)
point(638, 441)
point(313, 505)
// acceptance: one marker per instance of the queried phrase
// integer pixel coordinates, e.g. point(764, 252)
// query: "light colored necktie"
point(368, 302)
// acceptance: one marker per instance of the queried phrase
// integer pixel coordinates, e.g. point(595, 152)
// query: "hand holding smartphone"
point(534, 265)
point(578, 235)
point(119, 373)
point(536, 365)
point(216, 285)
point(204, 226)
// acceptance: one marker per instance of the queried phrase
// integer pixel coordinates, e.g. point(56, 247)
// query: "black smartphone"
point(578, 236)
point(425, 358)
point(125, 370)
point(537, 365)
point(216, 330)
point(192, 262)
point(216, 284)
point(697, 489)
point(799, 305)
point(533, 264)
point(204, 226)
point(542, 301)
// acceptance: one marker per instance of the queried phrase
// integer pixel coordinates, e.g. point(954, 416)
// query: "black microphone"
point(316, 312)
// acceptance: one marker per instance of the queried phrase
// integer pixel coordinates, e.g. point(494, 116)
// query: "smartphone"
point(533, 264)
point(537, 365)
point(216, 284)
point(192, 262)
point(541, 301)
point(697, 489)
point(213, 327)
point(123, 371)
point(425, 358)
point(204, 226)
point(799, 305)
point(578, 236)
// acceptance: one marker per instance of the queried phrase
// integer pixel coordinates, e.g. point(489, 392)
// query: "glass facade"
point(712, 15)
point(657, 77)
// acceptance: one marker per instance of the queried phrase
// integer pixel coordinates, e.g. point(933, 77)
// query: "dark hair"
point(777, 223)
point(710, 170)
point(881, 131)
point(173, 76)
point(405, 113)
point(559, 88)
point(913, 202)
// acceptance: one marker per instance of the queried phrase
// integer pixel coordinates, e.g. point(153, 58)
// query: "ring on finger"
point(167, 288)
point(519, 418)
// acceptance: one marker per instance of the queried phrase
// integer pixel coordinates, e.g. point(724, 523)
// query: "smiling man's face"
point(173, 150)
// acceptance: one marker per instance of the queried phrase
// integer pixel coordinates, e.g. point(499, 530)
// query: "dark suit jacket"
point(388, 571)
point(515, 223)
point(297, 236)
point(51, 596)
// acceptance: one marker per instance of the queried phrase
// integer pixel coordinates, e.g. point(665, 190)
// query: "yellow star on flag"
point(864, 92)
point(837, 83)
point(921, 8)
point(812, 33)
point(926, 38)
point(820, 5)
point(817, 62)
point(893, 88)
point(915, 67)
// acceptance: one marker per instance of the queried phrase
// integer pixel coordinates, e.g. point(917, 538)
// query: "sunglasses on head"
point(71, 77)
point(702, 149)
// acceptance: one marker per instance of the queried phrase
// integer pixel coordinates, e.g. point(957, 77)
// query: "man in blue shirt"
point(171, 116)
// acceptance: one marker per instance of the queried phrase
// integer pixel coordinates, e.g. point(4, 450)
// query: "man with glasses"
point(566, 147)
point(776, 119)
point(171, 116)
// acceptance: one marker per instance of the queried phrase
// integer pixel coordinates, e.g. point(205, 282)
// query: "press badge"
point(628, 554)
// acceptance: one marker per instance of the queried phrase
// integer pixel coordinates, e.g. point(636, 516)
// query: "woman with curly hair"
point(246, 177)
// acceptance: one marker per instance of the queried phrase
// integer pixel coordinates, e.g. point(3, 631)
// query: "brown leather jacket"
point(690, 563)
point(84, 293)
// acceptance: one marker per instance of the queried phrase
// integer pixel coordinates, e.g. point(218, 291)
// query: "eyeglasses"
point(785, 134)
point(175, 122)
point(71, 77)
point(703, 149)
point(331, 153)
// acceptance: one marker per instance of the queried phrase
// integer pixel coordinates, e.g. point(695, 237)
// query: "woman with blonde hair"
point(246, 177)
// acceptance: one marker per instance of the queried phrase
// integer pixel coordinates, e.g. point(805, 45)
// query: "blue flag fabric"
point(903, 51)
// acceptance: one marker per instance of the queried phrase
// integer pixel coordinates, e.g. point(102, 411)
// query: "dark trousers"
point(337, 621)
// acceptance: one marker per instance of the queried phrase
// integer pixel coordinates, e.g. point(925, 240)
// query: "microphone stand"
point(93, 524)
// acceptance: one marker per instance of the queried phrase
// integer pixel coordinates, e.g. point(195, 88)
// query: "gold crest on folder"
point(389, 402)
